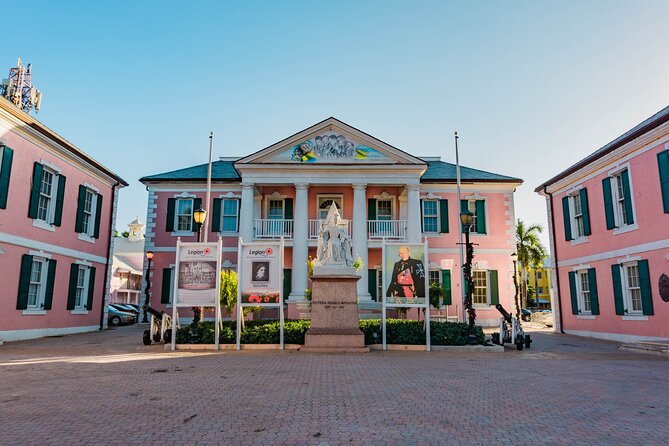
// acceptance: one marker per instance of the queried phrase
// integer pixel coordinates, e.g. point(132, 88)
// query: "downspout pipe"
point(110, 254)
point(555, 256)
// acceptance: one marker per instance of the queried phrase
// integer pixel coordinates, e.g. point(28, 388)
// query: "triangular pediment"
point(331, 142)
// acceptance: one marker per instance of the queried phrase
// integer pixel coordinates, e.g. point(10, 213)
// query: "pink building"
point(609, 229)
point(385, 193)
point(57, 208)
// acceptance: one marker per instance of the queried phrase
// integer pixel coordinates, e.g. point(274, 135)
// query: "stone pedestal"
point(335, 326)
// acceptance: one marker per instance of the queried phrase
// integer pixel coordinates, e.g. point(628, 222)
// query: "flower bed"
point(400, 331)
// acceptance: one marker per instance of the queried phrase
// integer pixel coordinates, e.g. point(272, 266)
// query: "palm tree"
point(531, 253)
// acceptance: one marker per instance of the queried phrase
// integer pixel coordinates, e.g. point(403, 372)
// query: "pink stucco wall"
point(653, 228)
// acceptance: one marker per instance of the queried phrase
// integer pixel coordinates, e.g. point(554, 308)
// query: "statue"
point(334, 243)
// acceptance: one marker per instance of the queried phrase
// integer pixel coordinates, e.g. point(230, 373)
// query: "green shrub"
point(400, 331)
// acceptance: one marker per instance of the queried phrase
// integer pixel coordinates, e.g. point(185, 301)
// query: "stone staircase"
point(648, 347)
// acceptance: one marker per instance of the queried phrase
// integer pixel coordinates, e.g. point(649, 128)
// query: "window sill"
point(635, 317)
point(483, 306)
point(229, 234)
point(579, 241)
point(86, 238)
point(33, 312)
point(626, 228)
point(588, 317)
point(183, 234)
point(44, 225)
point(79, 311)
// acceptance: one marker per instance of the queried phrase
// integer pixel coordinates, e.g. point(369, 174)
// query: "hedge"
point(399, 331)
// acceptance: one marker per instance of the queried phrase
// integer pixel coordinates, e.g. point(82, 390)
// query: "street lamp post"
point(467, 219)
point(514, 257)
point(147, 299)
point(199, 215)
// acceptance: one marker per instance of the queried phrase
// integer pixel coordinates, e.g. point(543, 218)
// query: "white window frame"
point(471, 203)
point(487, 288)
point(80, 308)
point(436, 216)
point(389, 201)
point(47, 222)
point(577, 231)
point(236, 215)
point(581, 292)
point(38, 306)
point(268, 206)
point(177, 230)
point(618, 208)
point(437, 272)
point(337, 198)
point(628, 290)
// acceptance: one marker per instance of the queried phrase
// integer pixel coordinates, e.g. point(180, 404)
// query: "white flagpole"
point(211, 149)
point(462, 271)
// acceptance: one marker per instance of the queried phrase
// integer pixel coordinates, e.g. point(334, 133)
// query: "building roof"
point(37, 126)
point(221, 171)
point(649, 124)
point(224, 171)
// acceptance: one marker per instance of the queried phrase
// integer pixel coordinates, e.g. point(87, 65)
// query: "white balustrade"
point(388, 229)
point(315, 224)
point(271, 228)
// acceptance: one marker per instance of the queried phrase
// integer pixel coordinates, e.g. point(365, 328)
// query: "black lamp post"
point(467, 219)
point(514, 257)
point(199, 215)
point(147, 299)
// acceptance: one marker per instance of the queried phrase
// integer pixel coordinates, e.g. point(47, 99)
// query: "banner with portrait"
point(261, 274)
point(197, 281)
point(405, 274)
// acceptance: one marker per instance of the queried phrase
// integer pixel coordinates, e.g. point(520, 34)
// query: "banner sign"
point(404, 274)
point(197, 279)
point(261, 273)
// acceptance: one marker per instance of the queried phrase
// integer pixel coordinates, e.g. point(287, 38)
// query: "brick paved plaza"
point(106, 387)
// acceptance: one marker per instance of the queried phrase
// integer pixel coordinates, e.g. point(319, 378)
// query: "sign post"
point(197, 279)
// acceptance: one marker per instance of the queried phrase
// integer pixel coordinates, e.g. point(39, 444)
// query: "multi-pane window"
point(46, 196)
point(81, 293)
point(578, 225)
point(434, 276)
point(184, 214)
point(477, 209)
point(620, 206)
point(276, 209)
point(585, 302)
point(87, 221)
point(384, 210)
point(633, 288)
point(430, 216)
point(36, 289)
point(324, 206)
point(480, 295)
point(379, 285)
point(230, 212)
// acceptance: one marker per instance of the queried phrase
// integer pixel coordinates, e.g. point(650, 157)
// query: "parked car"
point(117, 317)
point(127, 308)
point(526, 315)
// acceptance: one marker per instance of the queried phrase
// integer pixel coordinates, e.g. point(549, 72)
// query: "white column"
point(360, 247)
point(300, 242)
point(413, 213)
point(246, 213)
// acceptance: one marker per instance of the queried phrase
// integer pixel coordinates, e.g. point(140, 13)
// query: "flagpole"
point(462, 271)
point(211, 149)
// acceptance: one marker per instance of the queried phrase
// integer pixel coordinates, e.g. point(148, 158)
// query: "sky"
point(531, 87)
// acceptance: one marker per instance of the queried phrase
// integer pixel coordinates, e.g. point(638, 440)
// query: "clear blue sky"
point(531, 86)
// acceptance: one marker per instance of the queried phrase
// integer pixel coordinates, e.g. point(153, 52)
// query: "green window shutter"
point(422, 216)
point(566, 218)
point(572, 291)
point(34, 193)
point(608, 203)
point(24, 281)
point(585, 211)
point(625, 176)
point(644, 282)
point(98, 215)
point(617, 289)
point(81, 202)
point(288, 209)
point(464, 206)
point(72, 290)
point(287, 275)
point(371, 209)
point(663, 165)
point(50, 279)
point(5, 172)
point(197, 204)
point(169, 218)
point(443, 216)
point(480, 217)
point(216, 215)
point(494, 287)
point(446, 282)
point(91, 287)
point(371, 281)
point(594, 297)
point(60, 196)
point(166, 285)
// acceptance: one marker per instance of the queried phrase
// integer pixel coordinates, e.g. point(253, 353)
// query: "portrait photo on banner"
point(404, 274)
